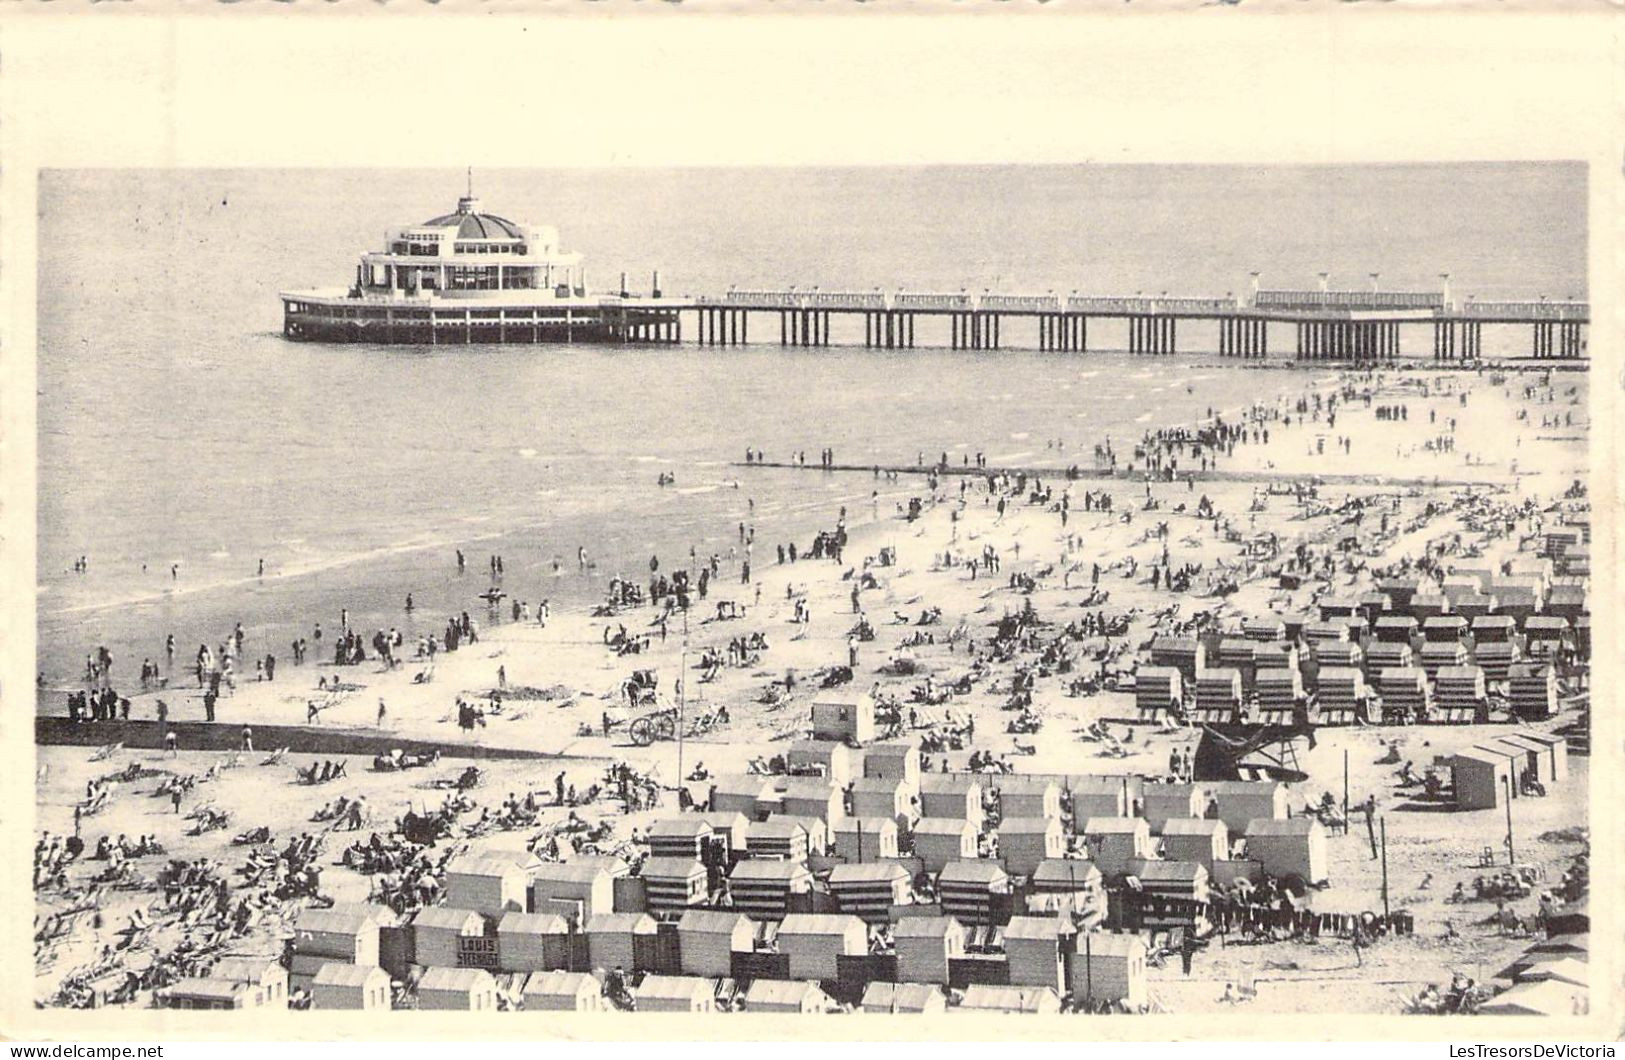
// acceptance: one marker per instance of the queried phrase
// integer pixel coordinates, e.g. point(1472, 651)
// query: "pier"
point(1317, 325)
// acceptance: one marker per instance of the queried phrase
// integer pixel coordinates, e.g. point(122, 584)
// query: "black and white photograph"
point(1015, 587)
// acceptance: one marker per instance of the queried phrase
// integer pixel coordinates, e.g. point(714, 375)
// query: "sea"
point(183, 441)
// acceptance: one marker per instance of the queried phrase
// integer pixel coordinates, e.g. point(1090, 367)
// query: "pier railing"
point(913, 300)
point(1356, 300)
point(1021, 303)
point(1527, 310)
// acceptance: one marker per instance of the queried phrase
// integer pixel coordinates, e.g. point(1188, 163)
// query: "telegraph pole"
point(1386, 915)
point(1512, 857)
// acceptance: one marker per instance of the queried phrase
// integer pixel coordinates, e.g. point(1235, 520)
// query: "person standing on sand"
point(381, 712)
point(248, 739)
point(171, 744)
point(175, 799)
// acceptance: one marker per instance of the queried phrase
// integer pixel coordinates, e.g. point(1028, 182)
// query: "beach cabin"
point(763, 889)
point(728, 828)
point(621, 940)
point(1170, 893)
point(1200, 840)
point(685, 836)
point(708, 939)
point(560, 991)
point(1034, 949)
point(1515, 760)
point(457, 990)
point(1239, 802)
point(1406, 695)
point(1400, 592)
point(1340, 695)
point(1535, 761)
point(210, 994)
point(1276, 655)
point(1237, 653)
point(814, 941)
point(488, 885)
point(812, 797)
point(1067, 884)
point(939, 840)
point(438, 933)
point(1109, 968)
point(1280, 695)
point(870, 891)
point(951, 796)
point(925, 945)
point(884, 797)
point(1532, 691)
point(792, 995)
point(818, 832)
point(1460, 695)
point(1184, 654)
point(1025, 842)
point(573, 889)
point(322, 936)
point(1557, 749)
point(1033, 1000)
point(1115, 842)
point(743, 794)
point(825, 758)
point(1158, 689)
point(1099, 796)
point(973, 891)
point(675, 993)
point(1544, 635)
point(912, 998)
point(1263, 628)
point(1426, 605)
point(1444, 629)
point(896, 760)
point(674, 884)
point(843, 719)
point(350, 987)
point(1380, 657)
point(1021, 796)
point(1493, 629)
point(1163, 802)
point(859, 839)
point(777, 838)
point(1292, 847)
point(1218, 695)
point(1437, 656)
point(533, 942)
point(1480, 779)
point(1396, 629)
point(263, 972)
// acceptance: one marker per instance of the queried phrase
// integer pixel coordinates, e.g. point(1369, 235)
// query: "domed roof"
point(471, 224)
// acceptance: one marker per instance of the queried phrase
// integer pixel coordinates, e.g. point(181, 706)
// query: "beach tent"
point(762, 889)
point(1549, 998)
point(683, 836)
point(560, 991)
point(814, 941)
point(674, 884)
point(458, 990)
point(1218, 695)
point(1459, 694)
point(354, 987)
point(1406, 696)
point(777, 838)
point(707, 940)
point(795, 995)
point(1157, 689)
point(913, 998)
point(675, 993)
point(970, 890)
point(870, 891)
